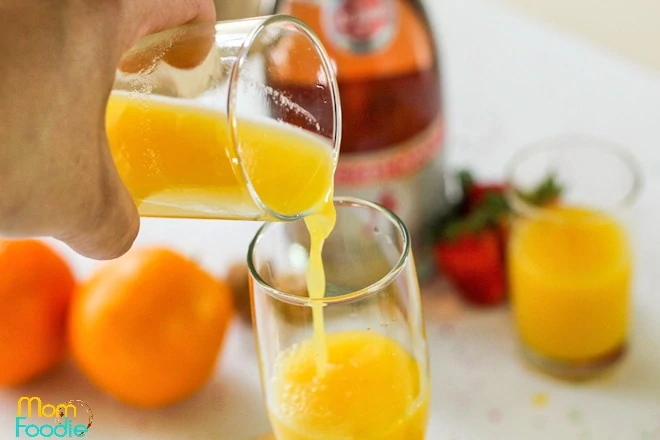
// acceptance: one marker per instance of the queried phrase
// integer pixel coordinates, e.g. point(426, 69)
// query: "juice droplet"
point(540, 399)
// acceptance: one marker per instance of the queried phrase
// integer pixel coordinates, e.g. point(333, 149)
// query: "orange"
point(36, 285)
point(147, 328)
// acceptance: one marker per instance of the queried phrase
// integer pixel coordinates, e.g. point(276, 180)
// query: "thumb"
point(107, 222)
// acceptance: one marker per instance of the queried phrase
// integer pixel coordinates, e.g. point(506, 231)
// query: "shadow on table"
point(639, 375)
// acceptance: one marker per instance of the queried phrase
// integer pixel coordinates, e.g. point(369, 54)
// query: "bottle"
point(390, 88)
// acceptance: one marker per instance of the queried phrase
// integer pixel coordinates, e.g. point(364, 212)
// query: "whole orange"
point(36, 285)
point(148, 327)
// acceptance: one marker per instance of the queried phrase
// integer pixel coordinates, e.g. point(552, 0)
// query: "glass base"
point(576, 371)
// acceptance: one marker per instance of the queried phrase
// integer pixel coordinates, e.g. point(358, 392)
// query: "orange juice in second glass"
point(371, 390)
point(570, 262)
point(570, 272)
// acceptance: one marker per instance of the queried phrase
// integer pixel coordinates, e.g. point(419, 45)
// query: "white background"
point(509, 80)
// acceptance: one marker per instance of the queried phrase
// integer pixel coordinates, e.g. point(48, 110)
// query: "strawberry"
point(478, 193)
point(473, 263)
point(471, 250)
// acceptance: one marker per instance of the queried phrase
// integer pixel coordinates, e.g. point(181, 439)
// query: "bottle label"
point(406, 178)
point(392, 162)
point(359, 26)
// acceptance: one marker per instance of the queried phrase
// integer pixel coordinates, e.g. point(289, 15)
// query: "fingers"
point(190, 48)
point(158, 15)
point(193, 50)
point(187, 50)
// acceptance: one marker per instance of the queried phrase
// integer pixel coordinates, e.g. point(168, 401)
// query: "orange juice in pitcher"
point(176, 160)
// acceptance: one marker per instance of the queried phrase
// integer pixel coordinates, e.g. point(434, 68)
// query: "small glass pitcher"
point(192, 121)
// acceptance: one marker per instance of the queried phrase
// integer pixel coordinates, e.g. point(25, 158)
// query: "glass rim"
point(521, 207)
point(356, 295)
point(232, 94)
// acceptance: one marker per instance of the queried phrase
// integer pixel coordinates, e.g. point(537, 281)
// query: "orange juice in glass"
point(570, 263)
point(359, 368)
point(202, 139)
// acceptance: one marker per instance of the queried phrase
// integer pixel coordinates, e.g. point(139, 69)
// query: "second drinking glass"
point(358, 370)
point(570, 260)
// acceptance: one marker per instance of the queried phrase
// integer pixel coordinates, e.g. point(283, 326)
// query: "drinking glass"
point(360, 372)
point(570, 261)
point(195, 125)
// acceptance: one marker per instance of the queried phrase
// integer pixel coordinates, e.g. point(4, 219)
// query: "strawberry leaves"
point(547, 192)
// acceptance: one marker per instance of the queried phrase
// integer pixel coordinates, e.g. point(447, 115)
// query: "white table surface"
point(509, 80)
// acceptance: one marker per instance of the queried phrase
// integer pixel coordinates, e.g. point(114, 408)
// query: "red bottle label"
point(360, 26)
point(392, 163)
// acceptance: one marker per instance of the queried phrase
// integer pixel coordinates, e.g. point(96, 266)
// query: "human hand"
point(59, 59)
